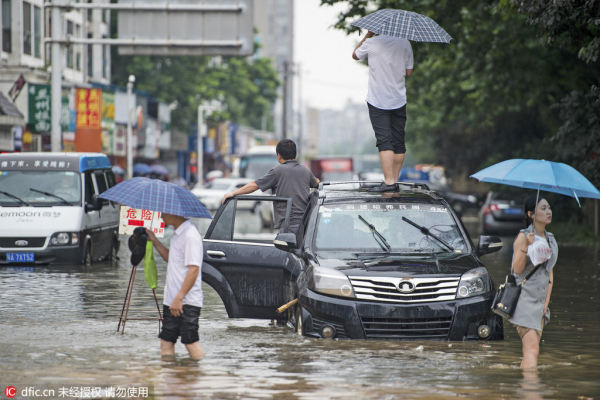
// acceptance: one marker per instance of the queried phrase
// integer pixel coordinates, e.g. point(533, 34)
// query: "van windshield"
point(388, 220)
point(254, 167)
point(17, 185)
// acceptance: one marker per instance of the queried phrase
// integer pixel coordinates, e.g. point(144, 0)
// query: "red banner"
point(88, 105)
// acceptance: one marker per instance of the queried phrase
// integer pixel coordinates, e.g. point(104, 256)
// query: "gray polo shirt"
point(290, 180)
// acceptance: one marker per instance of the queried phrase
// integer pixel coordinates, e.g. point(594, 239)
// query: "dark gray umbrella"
point(403, 24)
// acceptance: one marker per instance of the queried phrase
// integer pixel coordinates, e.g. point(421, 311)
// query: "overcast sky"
point(329, 75)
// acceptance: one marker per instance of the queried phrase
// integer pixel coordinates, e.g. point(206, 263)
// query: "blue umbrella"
point(541, 175)
point(404, 24)
point(159, 169)
point(141, 169)
point(156, 195)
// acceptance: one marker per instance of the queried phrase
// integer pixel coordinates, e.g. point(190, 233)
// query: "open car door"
point(241, 263)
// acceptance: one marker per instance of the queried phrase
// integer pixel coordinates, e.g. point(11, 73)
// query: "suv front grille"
point(404, 290)
point(406, 328)
point(9, 242)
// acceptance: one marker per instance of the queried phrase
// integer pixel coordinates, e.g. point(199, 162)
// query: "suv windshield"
point(58, 185)
point(340, 228)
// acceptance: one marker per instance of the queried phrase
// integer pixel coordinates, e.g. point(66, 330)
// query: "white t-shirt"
point(389, 58)
point(186, 249)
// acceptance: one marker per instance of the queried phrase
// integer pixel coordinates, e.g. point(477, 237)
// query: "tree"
point(488, 95)
point(248, 87)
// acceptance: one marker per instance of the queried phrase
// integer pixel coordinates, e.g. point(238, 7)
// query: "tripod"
point(125, 310)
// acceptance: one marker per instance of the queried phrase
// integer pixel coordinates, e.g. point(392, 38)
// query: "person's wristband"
point(523, 251)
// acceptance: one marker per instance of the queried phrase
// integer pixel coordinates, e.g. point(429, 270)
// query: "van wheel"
point(87, 256)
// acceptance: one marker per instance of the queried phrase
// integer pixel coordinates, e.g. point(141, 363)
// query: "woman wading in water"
point(532, 311)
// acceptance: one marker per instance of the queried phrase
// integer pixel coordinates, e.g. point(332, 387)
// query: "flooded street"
point(59, 330)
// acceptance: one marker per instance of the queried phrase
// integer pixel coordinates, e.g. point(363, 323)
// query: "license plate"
point(512, 211)
point(20, 257)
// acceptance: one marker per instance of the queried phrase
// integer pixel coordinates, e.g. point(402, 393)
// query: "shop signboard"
point(88, 105)
point(108, 122)
point(39, 108)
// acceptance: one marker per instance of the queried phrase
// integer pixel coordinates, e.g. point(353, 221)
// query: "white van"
point(50, 212)
point(256, 162)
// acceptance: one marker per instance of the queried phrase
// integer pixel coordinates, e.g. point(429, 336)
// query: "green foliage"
point(579, 135)
point(248, 87)
point(488, 95)
point(570, 24)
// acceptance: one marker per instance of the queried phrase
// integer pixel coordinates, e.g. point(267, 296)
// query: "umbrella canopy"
point(156, 195)
point(403, 24)
point(118, 170)
point(540, 175)
point(141, 169)
point(159, 169)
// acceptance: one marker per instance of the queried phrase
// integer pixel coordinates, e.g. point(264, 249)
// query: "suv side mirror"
point(285, 241)
point(96, 204)
point(488, 245)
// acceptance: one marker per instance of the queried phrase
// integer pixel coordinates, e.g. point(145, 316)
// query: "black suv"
point(394, 265)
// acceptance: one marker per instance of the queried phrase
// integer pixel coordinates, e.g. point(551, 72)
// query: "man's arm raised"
point(368, 35)
point(247, 188)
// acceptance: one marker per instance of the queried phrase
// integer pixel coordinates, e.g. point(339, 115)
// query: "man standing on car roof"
point(290, 179)
point(390, 62)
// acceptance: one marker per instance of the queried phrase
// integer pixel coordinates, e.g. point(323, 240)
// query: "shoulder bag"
point(507, 296)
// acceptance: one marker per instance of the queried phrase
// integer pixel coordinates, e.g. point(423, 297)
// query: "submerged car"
point(394, 265)
point(502, 213)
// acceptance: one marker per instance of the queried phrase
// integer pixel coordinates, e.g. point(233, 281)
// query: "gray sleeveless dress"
point(530, 307)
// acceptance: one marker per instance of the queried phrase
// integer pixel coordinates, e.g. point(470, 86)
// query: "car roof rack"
point(413, 185)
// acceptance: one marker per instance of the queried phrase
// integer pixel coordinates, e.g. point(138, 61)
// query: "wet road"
point(59, 331)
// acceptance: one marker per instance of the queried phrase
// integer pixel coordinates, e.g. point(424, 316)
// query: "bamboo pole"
point(286, 306)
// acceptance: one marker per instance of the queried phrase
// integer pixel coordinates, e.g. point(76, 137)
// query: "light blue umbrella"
point(403, 24)
point(156, 195)
point(540, 175)
point(141, 169)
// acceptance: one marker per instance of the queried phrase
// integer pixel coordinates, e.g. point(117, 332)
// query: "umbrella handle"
point(535, 209)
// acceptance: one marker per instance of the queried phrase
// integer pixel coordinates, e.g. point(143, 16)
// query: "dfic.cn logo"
point(10, 391)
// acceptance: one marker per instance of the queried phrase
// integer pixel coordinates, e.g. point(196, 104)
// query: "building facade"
point(25, 61)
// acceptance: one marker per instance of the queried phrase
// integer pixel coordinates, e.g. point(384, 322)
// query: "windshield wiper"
point(427, 232)
point(379, 235)
point(50, 194)
point(12, 196)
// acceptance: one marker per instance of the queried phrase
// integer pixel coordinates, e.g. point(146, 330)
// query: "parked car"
point(395, 265)
point(211, 194)
point(502, 213)
point(50, 212)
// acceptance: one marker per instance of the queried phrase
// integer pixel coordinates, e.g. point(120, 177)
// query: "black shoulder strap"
point(535, 269)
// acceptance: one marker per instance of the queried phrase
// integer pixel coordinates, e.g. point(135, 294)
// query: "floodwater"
point(58, 332)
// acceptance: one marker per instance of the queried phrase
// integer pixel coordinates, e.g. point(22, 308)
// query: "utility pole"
point(285, 100)
point(130, 109)
point(204, 109)
point(56, 80)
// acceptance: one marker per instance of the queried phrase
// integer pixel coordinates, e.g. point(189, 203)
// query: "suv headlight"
point(64, 238)
point(331, 282)
point(473, 283)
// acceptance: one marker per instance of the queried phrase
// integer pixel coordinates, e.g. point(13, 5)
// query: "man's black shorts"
point(186, 325)
point(389, 128)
